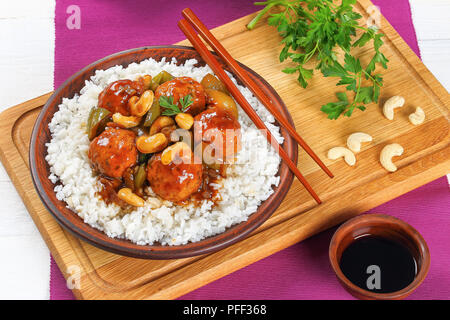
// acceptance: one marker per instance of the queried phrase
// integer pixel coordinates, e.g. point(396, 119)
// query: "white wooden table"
point(27, 38)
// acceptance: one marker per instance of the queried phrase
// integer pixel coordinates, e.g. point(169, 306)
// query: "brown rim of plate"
point(75, 225)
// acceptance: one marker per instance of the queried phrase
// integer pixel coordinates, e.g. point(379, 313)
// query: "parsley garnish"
point(316, 29)
point(170, 108)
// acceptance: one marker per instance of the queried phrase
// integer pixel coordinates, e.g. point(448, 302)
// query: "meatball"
point(181, 87)
point(115, 96)
point(220, 133)
point(113, 151)
point(173, 182)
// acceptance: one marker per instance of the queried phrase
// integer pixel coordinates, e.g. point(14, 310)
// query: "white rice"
point(249, 182)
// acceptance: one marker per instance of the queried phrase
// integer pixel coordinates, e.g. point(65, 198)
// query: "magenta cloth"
point(301, 271)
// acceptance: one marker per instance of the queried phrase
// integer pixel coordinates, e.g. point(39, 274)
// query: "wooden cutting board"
point(103, 275)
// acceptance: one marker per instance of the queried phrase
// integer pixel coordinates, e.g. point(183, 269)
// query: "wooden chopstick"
point(217, 69)
point(190, 16)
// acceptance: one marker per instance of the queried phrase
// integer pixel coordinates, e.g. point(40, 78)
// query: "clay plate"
point(73, 223)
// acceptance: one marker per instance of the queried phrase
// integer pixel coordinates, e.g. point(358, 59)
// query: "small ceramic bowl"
point(71, 221)
point(386, 227)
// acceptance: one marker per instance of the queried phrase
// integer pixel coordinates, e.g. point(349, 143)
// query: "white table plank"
point(17, 9)
point(431, 19)
point(26, 59)
point(432, 23)
point(27, 36)
point(436, 56)
point(25, 270)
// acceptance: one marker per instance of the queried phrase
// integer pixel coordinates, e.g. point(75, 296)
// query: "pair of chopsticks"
point(191, 34)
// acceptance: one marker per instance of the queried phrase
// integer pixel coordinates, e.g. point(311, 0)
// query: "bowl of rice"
point(252, 190)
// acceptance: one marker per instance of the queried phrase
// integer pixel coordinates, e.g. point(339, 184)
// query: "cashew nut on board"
point(338, 152)
point(391, 104)
point(355, 139)
point(388, 152)
point(417, 117)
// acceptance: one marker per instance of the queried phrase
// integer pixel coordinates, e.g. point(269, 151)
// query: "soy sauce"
point(378, 265)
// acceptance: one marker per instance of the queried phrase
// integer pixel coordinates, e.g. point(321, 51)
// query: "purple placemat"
point(301, 271)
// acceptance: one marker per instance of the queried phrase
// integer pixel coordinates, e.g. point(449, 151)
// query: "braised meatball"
point(116, 95)
point(173, 182)
point(181, 87)
point(221, 131)
point(113, 151)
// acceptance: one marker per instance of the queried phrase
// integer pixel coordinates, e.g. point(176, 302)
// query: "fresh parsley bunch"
point(317, 29)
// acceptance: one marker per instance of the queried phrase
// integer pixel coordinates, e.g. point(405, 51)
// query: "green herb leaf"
point(335, 109)
point(185, 102)
point(365, 95)
point(170, 108)
point(312, 32)
point(352, 64)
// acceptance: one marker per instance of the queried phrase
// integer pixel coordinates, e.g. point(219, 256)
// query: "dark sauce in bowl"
point(377, 264)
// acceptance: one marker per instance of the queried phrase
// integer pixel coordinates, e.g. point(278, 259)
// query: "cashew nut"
point(355, 139)
point(389, 151)
point(152, 144)
point(140, 106)
point(184, 120)
point(159, 123)
point(179, 150)
point(126, 122)
point(391, 104)
point(167, 131)
point(131, 198)
point(338, 152)
point(417, 117)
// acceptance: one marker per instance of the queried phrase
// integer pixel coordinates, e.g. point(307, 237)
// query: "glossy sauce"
point(218, 123)
point(116, 95)
point(109, 190)
point(113, 151)
point(175, 181)
point(114, 156)
point(181, 87)
point(207, 191)
point(397, 266)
